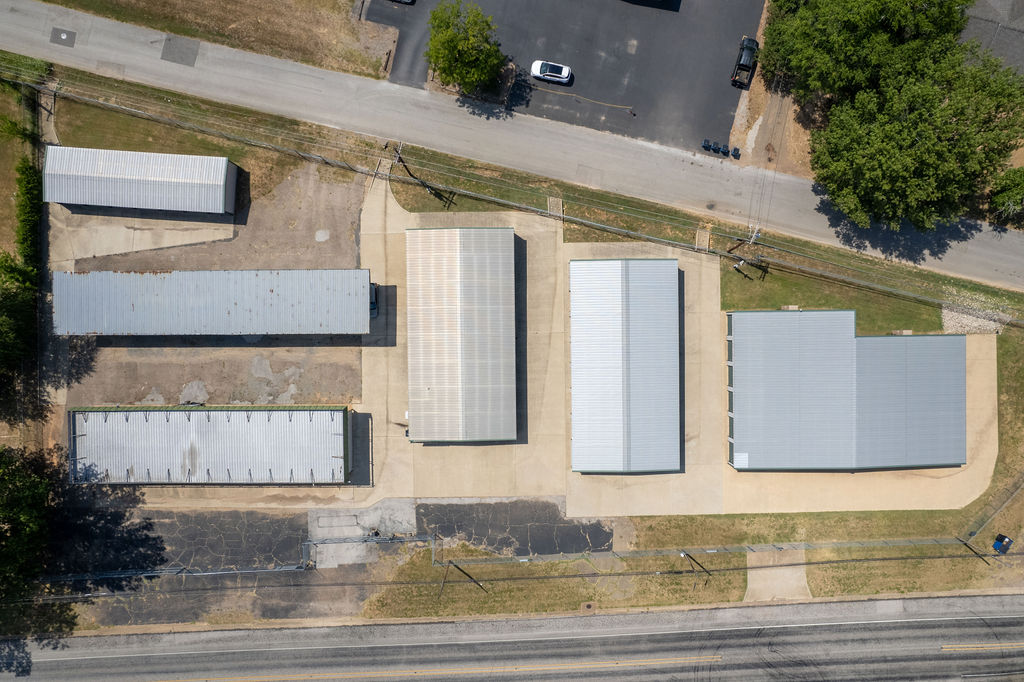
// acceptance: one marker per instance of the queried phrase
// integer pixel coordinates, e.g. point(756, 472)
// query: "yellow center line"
point(983, 647)
point(436, 672)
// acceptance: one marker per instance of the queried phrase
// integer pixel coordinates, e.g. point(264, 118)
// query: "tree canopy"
point(462, 49)
point(841, 47)
point(918, 124)
point(1008, 195)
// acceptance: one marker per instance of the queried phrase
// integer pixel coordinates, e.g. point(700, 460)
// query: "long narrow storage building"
point(140, 180)
point(211, 302)
point(624, 345)
point(461, 334)
point(209, 446)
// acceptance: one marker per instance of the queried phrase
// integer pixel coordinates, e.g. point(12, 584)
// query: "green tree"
point(1008, 195)
point(462, 49)
point(841, 47)
point(923, 144)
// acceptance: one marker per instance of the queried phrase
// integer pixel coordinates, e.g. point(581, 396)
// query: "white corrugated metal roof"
point(212, 302)
point(461, 324)
point(143, 180)
point(209, 446)
point(624, 341)
point(809, 395)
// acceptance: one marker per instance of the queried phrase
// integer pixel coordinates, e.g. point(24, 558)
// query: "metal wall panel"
point(209, 446)
point(624, 345)
point(809, 395)
point(461, 334)
point(214, 302)
point(142, 180)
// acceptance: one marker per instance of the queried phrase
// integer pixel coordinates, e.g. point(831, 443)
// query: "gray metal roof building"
point(806, 394)
point(624, 341)
point(211, 302)
point(461, 334)
point(217, 446)
point(142, 180)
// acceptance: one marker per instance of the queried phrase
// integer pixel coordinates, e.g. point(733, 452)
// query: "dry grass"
point(324, 33)
point(907, 569)
point(536, 587)
point(92, 126)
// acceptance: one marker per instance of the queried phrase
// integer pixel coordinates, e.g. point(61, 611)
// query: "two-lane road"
point(575, 154)
point(900, 639)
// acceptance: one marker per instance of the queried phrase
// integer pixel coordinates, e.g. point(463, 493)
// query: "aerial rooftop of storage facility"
point(250, 445)
point(211, 302)
point(624, 345)
point(462, 336)
point(141, 180)
point(805, 393)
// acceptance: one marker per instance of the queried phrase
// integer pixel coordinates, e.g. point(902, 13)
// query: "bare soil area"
point(770, 129)
point(309, 221)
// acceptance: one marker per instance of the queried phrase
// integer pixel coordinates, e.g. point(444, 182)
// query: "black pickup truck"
point(746, 61)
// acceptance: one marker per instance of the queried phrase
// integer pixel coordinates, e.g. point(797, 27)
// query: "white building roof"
point(209, 446)
point(461, 334)
point(212, 302)
point(142, 180)
point(624, 336)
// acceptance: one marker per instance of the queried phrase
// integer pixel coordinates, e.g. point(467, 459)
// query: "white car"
point(549, 71)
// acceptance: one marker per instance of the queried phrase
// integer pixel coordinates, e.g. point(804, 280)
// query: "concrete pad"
point(781, 581)
point(699, 489)
point(535, 465)
point(945, 488)
point(86, 234)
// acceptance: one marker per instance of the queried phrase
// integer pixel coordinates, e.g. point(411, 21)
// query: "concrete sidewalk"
point(636, 168)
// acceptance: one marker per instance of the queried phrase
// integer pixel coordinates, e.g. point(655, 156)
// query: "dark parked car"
point(373, 300)
point(746, 62)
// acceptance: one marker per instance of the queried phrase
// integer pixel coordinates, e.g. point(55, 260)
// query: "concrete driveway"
point(651, 69)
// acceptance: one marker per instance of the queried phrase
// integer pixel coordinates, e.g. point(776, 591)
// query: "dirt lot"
point(308, 221)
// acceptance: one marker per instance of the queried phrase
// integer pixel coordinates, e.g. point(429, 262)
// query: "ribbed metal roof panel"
point(809, 395)
point(911, 401)
point(794, 389)
point(461, 334)
point(624, 344)
point(212, 302)
point(143, 180)
point(209, 446)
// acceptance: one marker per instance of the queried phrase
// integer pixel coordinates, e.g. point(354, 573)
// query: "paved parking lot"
point(651, 69)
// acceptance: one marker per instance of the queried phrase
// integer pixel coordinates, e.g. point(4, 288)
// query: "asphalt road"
point(572, 153)
point(656, 70)
point(898, 640)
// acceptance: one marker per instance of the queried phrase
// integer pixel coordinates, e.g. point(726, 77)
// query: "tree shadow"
point(94, 540)
point(907, 244)
point(520, 93)
point(492, 103)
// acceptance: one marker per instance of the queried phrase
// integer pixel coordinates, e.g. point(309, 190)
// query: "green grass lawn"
point(876, 313)
point(10, 151)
